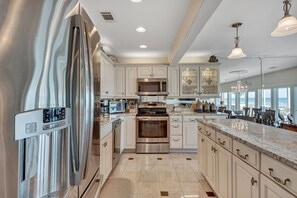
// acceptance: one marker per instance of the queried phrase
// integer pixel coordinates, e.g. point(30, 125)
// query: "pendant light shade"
point(288, 24)
point(237, 51)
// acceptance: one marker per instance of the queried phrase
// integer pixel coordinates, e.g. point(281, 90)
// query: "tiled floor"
point(174, 175)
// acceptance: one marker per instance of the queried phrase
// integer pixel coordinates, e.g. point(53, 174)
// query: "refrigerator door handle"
point(72, 136)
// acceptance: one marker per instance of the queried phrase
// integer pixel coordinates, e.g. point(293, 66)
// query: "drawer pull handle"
point(199, 128)
point(242, 156)
point(221, 143)
point(208, 134)
point(278, 179)
point(175, 139)
point(192, 119)
point(105, 144)
point(253, 181)
point(175, 126)
point(202, 140)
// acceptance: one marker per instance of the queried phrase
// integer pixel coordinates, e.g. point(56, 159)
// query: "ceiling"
point(193, 29)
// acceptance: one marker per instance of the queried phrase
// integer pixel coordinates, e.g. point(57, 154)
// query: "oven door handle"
point(152, 118)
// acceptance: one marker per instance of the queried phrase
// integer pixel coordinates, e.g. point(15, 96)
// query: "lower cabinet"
point(190, 131)
point(223, 173)
point(246, 183)
point(106, 156)
point(210, 162)
point(271, 190)
point(130, 132)
point(202, 153)
point(123, 135)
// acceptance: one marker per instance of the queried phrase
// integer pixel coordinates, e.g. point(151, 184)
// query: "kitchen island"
point(245, 159)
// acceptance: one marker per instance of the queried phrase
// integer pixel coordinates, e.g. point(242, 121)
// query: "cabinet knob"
point(175, 139)
point(106, 92)
point(208, 134)
point(175, 126)
point(278, 180)
point(202, 140)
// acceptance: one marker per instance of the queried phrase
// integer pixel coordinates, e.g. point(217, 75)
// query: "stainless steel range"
point(152, 128)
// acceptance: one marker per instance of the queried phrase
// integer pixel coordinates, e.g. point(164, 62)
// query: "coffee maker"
point(105, 107)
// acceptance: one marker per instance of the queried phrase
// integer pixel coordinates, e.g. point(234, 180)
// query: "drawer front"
point(105, 130)
point(280, 173)
point(224, 141)
point(247, 154)
point(176, 128)
point(210, 133)
point(201, 128)
point(176, 141)
point(176, 118)
point(191, 118)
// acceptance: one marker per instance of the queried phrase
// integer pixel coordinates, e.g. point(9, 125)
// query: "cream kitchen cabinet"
point(176, 132)
point(190, 132)
point(246, 180)
point(131, 78)
point(152, 72)
point(106, 156)
point(202, 155)
point(211, 162)
point(223, 172)
point(173, 81)
point(130, 132)
point(123, 134)
point(107, 77)
point(199, 81)
point(120, 82)
point(271, 190)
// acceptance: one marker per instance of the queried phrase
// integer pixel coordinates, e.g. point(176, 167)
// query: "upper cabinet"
point(107, 77)
point(173, 81)
point(120, 82)
point(131, 77)
point(152, 72)
point(199, 81)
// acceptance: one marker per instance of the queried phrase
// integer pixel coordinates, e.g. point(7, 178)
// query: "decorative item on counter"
point(213, 59)
point(213, 108)
point(199, 107)
point(206, 107)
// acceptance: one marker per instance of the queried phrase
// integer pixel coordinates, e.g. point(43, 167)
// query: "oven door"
point(152, 129)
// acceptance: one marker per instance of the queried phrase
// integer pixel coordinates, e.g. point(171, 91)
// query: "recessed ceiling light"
point(136, 1)
point(140, 29)
point(143, 46)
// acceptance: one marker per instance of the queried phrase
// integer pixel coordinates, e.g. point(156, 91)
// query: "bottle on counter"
point(206, 107)
point(199, 107)
point(213, 108)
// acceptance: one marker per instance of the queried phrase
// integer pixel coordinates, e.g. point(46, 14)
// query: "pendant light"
point(237, 51)
point(288, 24)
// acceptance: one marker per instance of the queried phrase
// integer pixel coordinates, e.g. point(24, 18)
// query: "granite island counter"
point(241, 157)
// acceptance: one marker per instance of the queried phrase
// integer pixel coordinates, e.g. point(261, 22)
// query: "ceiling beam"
point(197, 16)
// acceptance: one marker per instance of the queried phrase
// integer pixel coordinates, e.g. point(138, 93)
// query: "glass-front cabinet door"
point(209, 81)
point(189, 81)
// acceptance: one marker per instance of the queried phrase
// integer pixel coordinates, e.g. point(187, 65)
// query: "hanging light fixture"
point(237, 51)
point(288, 24)
point(239, 88)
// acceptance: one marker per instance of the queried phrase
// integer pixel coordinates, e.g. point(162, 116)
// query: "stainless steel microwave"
point(152, 87)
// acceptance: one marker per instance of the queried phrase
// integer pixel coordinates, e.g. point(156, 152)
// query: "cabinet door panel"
point(131, 77)
point(202, 153)
point(190, 135)
point(130, 133)
point(246, 182)
point(210, 162)
point(209, 80)
point(120, 81)
point(159, 72)
point(173, 81)
point(108, 153)
point(223, 173)
point(144, 72)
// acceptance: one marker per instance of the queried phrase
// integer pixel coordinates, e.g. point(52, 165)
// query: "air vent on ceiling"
point(107, 16)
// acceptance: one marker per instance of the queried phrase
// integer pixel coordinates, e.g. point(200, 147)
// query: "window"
point(242, 101)
point(251, 99)
point(233, 101)
point(283, 101)
point(266, 98)
point(225, 98)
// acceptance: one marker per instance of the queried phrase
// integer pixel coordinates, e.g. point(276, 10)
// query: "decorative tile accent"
point(210, 194)
point(164, 193)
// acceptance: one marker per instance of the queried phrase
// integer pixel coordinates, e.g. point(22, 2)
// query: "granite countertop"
point(192, 113)
point(113, 117)
point(277, 143)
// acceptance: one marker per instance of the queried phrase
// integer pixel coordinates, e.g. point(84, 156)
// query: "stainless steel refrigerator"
point(48, 147)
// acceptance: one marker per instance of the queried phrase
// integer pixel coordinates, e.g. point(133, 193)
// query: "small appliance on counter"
point(117, 106)
point(104, 108)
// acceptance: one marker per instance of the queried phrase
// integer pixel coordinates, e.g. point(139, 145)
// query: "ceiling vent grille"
point(107, 16)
